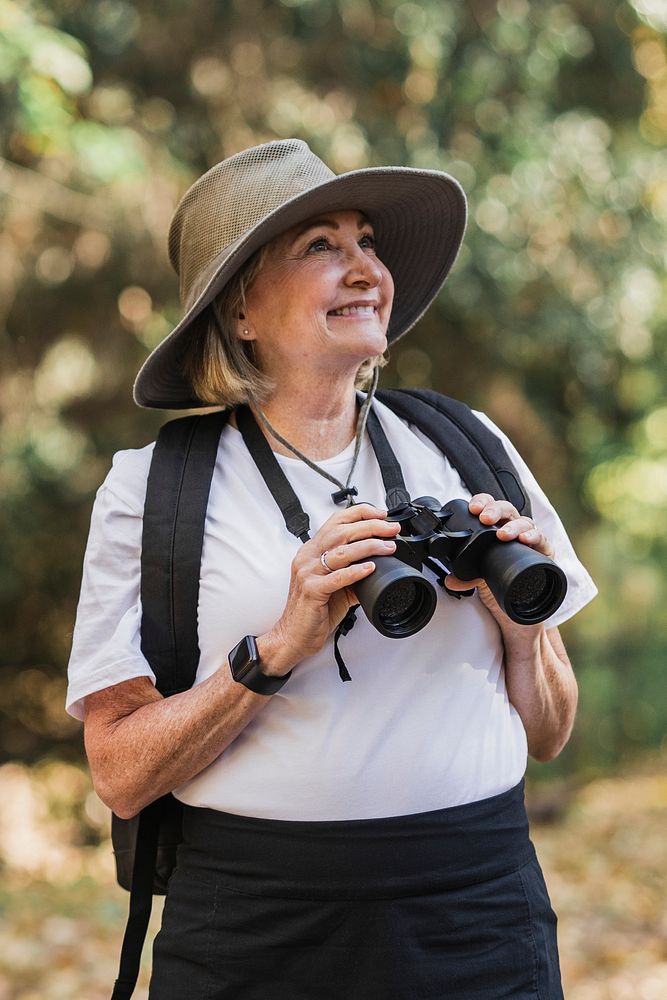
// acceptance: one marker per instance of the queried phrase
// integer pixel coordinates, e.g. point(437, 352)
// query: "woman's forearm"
point(141, 746)
point(538, 675)
point(541, 686)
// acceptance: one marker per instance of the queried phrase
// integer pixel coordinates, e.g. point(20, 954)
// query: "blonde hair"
point(221, 367)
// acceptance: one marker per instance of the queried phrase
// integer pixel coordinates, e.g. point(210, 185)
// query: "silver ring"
point(323, 560)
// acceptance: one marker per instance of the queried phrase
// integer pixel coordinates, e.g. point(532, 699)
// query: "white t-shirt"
point(425, 722)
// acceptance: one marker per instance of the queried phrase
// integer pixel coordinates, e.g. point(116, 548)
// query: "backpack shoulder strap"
point(477, 454)
point(177, 491)
point(179, 482)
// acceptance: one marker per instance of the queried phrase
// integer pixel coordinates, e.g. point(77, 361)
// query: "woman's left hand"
point(538, 677)
point(513, 527)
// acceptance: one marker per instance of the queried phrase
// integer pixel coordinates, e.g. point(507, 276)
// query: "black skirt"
point(444, 904)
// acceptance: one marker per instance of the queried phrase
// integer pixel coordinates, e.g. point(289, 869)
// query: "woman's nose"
point(363, 268)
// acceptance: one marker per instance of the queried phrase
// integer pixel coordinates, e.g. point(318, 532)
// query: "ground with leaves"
point(602, 845)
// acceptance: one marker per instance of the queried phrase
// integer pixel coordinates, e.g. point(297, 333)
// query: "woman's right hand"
point(318, 598)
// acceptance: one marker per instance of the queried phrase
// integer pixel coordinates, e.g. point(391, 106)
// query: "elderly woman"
point(363, 840)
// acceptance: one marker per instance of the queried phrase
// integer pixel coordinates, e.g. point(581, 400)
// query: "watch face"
point(245, 668)
point(244, 657)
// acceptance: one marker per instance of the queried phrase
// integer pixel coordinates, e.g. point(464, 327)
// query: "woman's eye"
point(321, 243)
point(366, 242)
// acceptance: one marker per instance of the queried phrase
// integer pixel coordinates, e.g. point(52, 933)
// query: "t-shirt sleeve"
point(580, 587)
point(106, 644)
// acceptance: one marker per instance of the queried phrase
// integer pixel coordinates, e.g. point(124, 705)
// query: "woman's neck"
point(316, 420)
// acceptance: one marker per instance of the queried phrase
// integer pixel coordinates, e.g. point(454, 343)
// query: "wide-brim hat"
point(418, 217)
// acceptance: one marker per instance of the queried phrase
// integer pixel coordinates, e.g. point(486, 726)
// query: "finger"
point(479, 502)
point(357, 512)
point(345, 555)
point(524, 530)
point(345, 577)
point(498, 510)
point(538, 541)
point(512, 529)
point(352, 519)
point(343, 534)
point(453, 583)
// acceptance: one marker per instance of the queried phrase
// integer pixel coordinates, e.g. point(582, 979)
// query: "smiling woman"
point(224, 359)
point(364, 840)
point(325, 284)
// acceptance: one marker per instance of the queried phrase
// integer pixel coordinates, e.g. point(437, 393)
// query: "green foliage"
point(554, 118)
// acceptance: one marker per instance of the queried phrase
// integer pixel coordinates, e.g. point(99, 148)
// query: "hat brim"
point(418, 216)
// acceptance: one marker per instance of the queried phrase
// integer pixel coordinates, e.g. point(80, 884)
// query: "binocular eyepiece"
point(399, 600)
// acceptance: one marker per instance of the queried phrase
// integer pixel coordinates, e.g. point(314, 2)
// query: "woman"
point(365, 840)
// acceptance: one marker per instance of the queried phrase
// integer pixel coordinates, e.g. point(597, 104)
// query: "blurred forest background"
point(554, 118)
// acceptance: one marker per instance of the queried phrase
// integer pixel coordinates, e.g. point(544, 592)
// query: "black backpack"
point(177, 493)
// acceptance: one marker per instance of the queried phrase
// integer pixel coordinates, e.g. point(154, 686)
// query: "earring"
point(246, 332)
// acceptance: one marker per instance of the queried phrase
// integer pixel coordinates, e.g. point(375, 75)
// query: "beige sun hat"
point(248, 199)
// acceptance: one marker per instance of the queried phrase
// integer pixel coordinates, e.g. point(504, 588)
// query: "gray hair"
point(221, 367)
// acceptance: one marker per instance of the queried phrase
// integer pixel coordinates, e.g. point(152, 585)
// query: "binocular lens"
point(534, 594)
point(400, 604)
point(396, 598)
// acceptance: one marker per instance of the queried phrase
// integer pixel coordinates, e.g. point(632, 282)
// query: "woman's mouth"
point(360, 310)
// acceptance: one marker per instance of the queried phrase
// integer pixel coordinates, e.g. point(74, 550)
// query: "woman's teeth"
point(353, 311)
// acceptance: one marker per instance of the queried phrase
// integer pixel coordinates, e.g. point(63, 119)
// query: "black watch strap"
point(244, 663)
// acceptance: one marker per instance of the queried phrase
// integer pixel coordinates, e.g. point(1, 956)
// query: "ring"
point(323, 560)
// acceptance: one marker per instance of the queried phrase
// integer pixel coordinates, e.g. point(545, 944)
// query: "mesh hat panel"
point(233, 197)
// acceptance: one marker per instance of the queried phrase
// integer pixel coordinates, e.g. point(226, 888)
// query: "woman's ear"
point(244, 329)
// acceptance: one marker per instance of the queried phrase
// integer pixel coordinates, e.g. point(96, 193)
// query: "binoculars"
point(398, 599)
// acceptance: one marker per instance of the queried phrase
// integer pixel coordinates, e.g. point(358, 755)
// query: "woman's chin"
point(360, 341)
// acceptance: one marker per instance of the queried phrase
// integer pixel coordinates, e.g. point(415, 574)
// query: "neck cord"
point(345, 491)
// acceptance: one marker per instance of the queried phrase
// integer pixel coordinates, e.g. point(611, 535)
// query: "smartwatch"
point(245, 665)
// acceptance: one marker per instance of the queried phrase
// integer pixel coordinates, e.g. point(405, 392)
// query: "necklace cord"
point(362, 420)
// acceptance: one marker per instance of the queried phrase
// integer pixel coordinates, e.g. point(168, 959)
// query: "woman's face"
point(322, 300)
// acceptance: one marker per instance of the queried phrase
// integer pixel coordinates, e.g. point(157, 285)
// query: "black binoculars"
point(399, 601)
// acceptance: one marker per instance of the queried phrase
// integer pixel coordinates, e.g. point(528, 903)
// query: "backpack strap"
point(141, 898)
point(477, 454)
point(296, 520)
point(396, 494)
point(177, 491)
